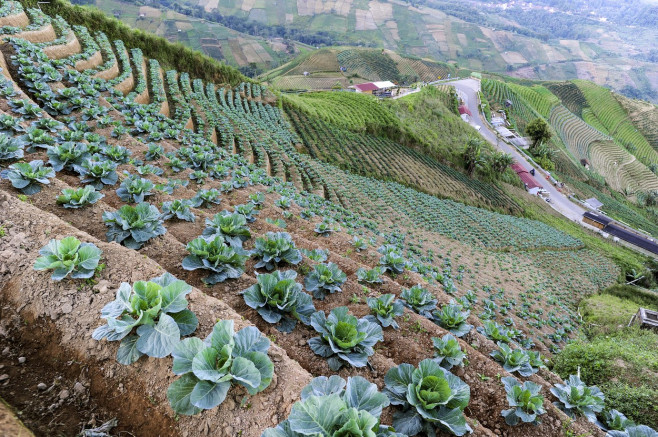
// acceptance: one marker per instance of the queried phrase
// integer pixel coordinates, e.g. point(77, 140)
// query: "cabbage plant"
point(280, 300)
point(179, 209)
point(325, 279)
point(68, 256)
point(430, 396)
point(248, 210)
point(494, 331)
point(617, 421)
point(323, 229)
point(452, 318)
point(575, 397)
point(516, 360)
point(385, 309)
point(98, 172)
point(419, 300)
point(67, 155)
point(275, 248)
point(206, 198)
point(372, 276)
point(10, 148)
point(215, 255)
point(633, 431)
point(329, 407)
point(344, 339)
point(208, 368)
point(149, 318)
point(28, 177)
point(447, 352)
point(133, 226)
point(525, 400)
point(231, 226)
point(391, 260)
point(318, 255)
point(359, 244)
point(134, 189)
point(79, 197)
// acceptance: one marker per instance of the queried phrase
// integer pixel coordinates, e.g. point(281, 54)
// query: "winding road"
point(467, 90)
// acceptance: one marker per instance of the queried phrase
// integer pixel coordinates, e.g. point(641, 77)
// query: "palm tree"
point(499, 161)
point(473, 155)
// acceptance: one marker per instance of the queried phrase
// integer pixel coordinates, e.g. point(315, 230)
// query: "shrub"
point(274, 248)
point(27, 177)
point(156, 311)
point(525, 399)
point(324, 279)
point(279, 299)
point(330, 407)
point(419, 300)
point(576, 397)
point(223, 261)
point(209, 368)
point(68, 256)
point(385, 309)
point(447, 352)
point(133, 226)
point(430, 396)
point(344, 339)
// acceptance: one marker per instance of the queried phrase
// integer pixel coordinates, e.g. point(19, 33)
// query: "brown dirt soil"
point(17, 20)
point(68, 312)
point(45, 34)
point(92, 62)
point(70, 48)
point(9, 423)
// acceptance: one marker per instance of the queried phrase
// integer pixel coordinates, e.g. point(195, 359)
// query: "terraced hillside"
point(195, 179)
point(608, 149)
point(321, 69)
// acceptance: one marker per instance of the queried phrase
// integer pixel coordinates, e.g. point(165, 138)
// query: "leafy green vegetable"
point(67, 155)
point(179, 209)
point(134, 189)
point(359, 244)
point(494, 331)
point(27, 177)
point(324, 229)
point(419, 300)
point(525, 399)
point(430, 396)
point(385, 309)
point(516, 360)
point(447, 352)
point(576, 397)
point(223, 261)
point(324, 279)
point(248, 210)
point(210, 367)
point(68, 256)
point(319, 255)
point(133, 226)
point(149, 318)
point(79, 197)
point(274, 248)
point(452, 318)
point(10, 148)
point(232, 227)
point(332, 408)
point(279, 299)
point(372, 276)
point(616, 420)
point(98, 172)
point(633, 431)
point(204, 198)
point(391, 259)
point(344, 339)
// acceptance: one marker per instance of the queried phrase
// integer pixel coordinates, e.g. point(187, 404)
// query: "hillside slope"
point(231, 148)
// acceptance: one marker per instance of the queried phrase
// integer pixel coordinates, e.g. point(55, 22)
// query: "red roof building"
point(464, 110)
point(366, 87)
point(530, 182)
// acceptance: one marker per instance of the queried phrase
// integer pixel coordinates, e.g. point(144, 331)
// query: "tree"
point(499, 161)
point(538, 131)
point(473, 155)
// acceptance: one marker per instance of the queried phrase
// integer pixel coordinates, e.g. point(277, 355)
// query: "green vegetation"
point(621, 361)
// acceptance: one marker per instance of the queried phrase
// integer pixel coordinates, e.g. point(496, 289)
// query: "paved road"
point(467, 90)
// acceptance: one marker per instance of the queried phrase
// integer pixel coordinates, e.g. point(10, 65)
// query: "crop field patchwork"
point(134, 235)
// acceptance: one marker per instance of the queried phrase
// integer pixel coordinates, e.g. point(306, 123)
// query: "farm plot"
point(196, 229)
